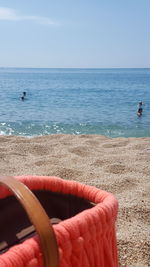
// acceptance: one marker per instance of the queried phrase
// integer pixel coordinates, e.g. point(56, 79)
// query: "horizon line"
point(2, 67)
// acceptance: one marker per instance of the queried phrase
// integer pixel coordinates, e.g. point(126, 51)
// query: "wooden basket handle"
point(37, 216)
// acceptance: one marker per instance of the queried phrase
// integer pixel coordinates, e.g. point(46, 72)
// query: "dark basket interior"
point(15, 226)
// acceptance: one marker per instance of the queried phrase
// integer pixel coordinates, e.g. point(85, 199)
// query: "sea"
point(74, 101)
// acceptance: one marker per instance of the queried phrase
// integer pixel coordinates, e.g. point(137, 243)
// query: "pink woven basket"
point(85, 233)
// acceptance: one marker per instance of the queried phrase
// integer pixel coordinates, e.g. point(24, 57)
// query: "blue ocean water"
point(74, 101)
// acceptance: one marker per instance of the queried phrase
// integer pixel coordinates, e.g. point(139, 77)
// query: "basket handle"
point(37, 216)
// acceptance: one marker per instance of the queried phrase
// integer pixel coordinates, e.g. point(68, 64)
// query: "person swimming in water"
point(140, 109)
point(23, 96)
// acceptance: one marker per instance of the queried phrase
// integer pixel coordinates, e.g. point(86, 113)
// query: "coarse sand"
point(118, 165)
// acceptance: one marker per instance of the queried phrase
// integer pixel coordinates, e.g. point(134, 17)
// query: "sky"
point(75, 34)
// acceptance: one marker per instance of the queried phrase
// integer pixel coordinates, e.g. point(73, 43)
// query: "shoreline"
point(118, 165)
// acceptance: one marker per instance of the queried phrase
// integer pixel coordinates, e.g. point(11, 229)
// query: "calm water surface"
point(74, 101)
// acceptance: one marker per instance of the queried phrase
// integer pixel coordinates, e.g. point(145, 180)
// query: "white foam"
point(2, 133)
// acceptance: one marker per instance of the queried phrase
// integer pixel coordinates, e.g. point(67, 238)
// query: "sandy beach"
point(120, 166)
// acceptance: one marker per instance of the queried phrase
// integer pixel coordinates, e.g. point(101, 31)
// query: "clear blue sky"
point(80, 33)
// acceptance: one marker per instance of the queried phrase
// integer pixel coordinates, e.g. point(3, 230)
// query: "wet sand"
point(120, 166)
